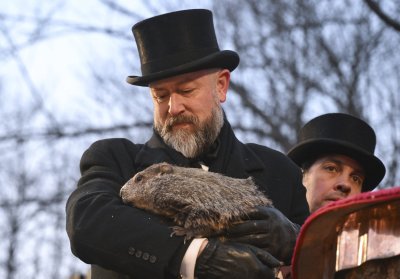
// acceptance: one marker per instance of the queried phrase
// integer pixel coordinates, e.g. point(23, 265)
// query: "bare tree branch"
point(374, 6)
point(59, 133)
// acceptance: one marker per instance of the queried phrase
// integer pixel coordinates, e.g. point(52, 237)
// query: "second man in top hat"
point(336, 154)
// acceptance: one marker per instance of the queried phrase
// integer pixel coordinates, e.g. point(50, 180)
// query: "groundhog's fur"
point(200, 203)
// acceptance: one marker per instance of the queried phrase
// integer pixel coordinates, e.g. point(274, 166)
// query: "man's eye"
point(160, 99)
point(330, 168)
point(357, 179)
point(186, 91)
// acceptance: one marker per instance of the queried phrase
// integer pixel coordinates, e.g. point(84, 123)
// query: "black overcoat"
point(112, 236)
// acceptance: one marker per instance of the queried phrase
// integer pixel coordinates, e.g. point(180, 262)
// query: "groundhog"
point(200, 203)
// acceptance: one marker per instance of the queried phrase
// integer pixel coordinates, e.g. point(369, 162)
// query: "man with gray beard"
point(191, 143)
point(188, 77)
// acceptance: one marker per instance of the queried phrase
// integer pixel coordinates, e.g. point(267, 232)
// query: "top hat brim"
point(225, 59)
point(373, 167)
point(315, 249)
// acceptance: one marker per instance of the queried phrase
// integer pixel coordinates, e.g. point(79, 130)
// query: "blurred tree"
point(385, 16)
point(303, 58)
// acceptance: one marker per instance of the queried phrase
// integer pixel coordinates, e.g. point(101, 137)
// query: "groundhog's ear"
point(166, 168)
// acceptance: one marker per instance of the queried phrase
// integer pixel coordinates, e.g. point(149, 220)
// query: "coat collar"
point(229, 156)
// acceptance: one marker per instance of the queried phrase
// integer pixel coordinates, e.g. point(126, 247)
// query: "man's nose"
point(176, 104)
point(343, 185)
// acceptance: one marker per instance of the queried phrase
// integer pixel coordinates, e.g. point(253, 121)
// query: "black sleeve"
point(289, 194)
point(105, 232)
point(282, 180)
point(299, 206)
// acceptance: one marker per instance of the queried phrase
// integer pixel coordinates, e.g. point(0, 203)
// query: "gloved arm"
point(269, 229)
point(234, 261)
point(105, 232)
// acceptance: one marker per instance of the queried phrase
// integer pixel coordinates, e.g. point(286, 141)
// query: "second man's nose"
point(343, 185)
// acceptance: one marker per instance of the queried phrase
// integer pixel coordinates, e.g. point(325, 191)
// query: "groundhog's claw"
point(179, 231)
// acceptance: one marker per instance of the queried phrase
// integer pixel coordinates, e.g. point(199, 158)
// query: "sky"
point(58, 68)
point(58, 72)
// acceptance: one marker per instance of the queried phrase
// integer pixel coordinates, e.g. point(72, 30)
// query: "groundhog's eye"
point(138, 178)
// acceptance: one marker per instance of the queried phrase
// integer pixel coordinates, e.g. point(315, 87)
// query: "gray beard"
point(191, 144)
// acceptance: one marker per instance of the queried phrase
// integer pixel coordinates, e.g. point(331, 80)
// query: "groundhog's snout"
point(126, 190)
point(122, 192)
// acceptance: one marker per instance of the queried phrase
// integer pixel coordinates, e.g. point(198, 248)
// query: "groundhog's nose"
point(122, 192)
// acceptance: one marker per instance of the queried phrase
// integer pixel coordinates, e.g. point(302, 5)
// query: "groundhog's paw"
point(180, 231)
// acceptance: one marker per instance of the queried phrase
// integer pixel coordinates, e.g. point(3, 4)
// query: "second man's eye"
point(330, 168)
point(357, 179)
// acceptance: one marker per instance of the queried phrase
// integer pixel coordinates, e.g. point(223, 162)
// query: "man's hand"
point(269, 229)
point(234, 261)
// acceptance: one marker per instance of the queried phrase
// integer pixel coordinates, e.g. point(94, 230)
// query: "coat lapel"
point(231, 157)
point(156, 151)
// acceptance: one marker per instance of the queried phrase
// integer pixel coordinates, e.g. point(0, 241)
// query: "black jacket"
point(105, 232)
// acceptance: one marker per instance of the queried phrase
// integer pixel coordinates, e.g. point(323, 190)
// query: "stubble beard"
point(191, 143)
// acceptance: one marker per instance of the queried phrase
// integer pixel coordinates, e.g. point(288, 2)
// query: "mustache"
point(180, 119)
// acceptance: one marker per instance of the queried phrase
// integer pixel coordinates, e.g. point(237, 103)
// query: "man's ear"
point(305, 178)
point(223, 79)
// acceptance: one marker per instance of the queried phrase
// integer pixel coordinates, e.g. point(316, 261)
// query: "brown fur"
point(200, 203)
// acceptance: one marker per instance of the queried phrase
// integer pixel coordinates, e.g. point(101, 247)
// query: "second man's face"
point(332, 178)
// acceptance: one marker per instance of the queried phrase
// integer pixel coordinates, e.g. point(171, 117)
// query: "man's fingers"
point(259, 240)
point(266, 258)
point(251, 226)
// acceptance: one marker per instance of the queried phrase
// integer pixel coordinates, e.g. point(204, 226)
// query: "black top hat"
point(343, 134)
point(177, 43)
